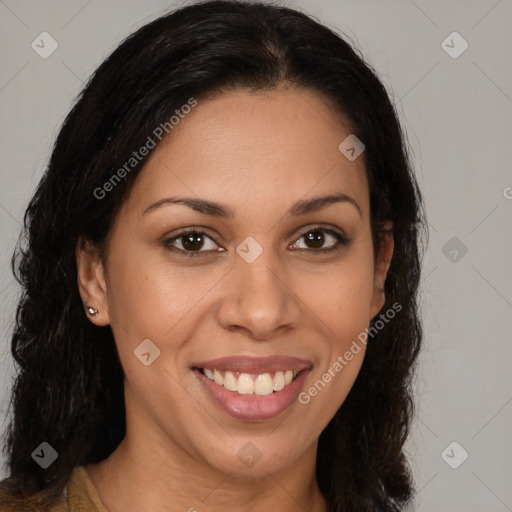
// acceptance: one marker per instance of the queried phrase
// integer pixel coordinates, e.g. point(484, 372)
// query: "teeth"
point(278, 381)
point(249, 384)
point(263, 385)
point(218, 378)
point(245, 384)
point(230, 382)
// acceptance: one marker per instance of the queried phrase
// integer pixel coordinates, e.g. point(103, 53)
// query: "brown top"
point(80, 495)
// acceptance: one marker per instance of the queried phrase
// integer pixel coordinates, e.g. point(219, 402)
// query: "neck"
point(140, 475)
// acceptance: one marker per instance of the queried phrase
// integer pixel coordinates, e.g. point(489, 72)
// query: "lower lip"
point(254, 407)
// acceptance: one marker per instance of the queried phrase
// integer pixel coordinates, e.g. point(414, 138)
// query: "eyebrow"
point(215, 209)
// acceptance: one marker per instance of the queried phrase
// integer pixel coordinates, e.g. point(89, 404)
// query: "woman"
point(220, 279)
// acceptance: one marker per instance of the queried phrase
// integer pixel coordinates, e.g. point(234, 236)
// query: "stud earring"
point(92, 311)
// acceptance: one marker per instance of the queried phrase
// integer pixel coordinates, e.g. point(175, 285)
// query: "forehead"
point(252, 150)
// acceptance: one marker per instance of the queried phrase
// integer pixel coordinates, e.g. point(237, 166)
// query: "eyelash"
point(341, 241)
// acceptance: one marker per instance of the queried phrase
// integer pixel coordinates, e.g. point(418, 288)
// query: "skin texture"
point(258, 154)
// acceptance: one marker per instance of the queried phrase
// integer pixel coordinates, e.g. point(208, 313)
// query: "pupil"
point(316, 237)
point(193, 241)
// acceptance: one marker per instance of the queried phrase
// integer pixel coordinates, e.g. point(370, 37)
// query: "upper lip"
point(248, 364)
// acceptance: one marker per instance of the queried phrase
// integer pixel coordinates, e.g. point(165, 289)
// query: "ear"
point(91, 281)
point(382, 263)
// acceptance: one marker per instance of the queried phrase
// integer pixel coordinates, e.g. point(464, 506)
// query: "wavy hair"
point(69, 383)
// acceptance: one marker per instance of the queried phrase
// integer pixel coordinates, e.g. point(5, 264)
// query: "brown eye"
point(316, 237)
point(192, 243)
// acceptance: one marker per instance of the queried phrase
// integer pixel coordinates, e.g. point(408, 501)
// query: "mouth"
point(261, 384)
point(253, 388)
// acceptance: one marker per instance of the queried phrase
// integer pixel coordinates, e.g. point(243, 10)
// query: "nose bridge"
point(259, 282)
point(260, 301)
point(261, 277)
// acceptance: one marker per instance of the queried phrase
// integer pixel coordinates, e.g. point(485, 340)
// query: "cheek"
point(152, 298)
point(340, 295)
point(343, 304)
point(151, 294)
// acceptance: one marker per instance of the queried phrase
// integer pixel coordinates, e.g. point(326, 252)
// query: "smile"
point(253, 388)
point(250, 383)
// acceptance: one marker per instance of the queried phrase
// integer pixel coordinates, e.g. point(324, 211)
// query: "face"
point(274, 285)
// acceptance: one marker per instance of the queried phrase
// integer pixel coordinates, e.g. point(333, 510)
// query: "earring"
point(92, 311)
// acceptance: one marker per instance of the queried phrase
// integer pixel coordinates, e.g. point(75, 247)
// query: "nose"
point(259, 299)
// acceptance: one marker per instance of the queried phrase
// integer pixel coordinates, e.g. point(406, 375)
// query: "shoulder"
point(79, 494)
point(82, 491)
point(11, 500)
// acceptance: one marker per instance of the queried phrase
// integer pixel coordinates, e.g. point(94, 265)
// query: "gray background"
point(458, 114)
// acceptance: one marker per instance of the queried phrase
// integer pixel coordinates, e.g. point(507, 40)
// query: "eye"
point(191, 242)
point(316, 236)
